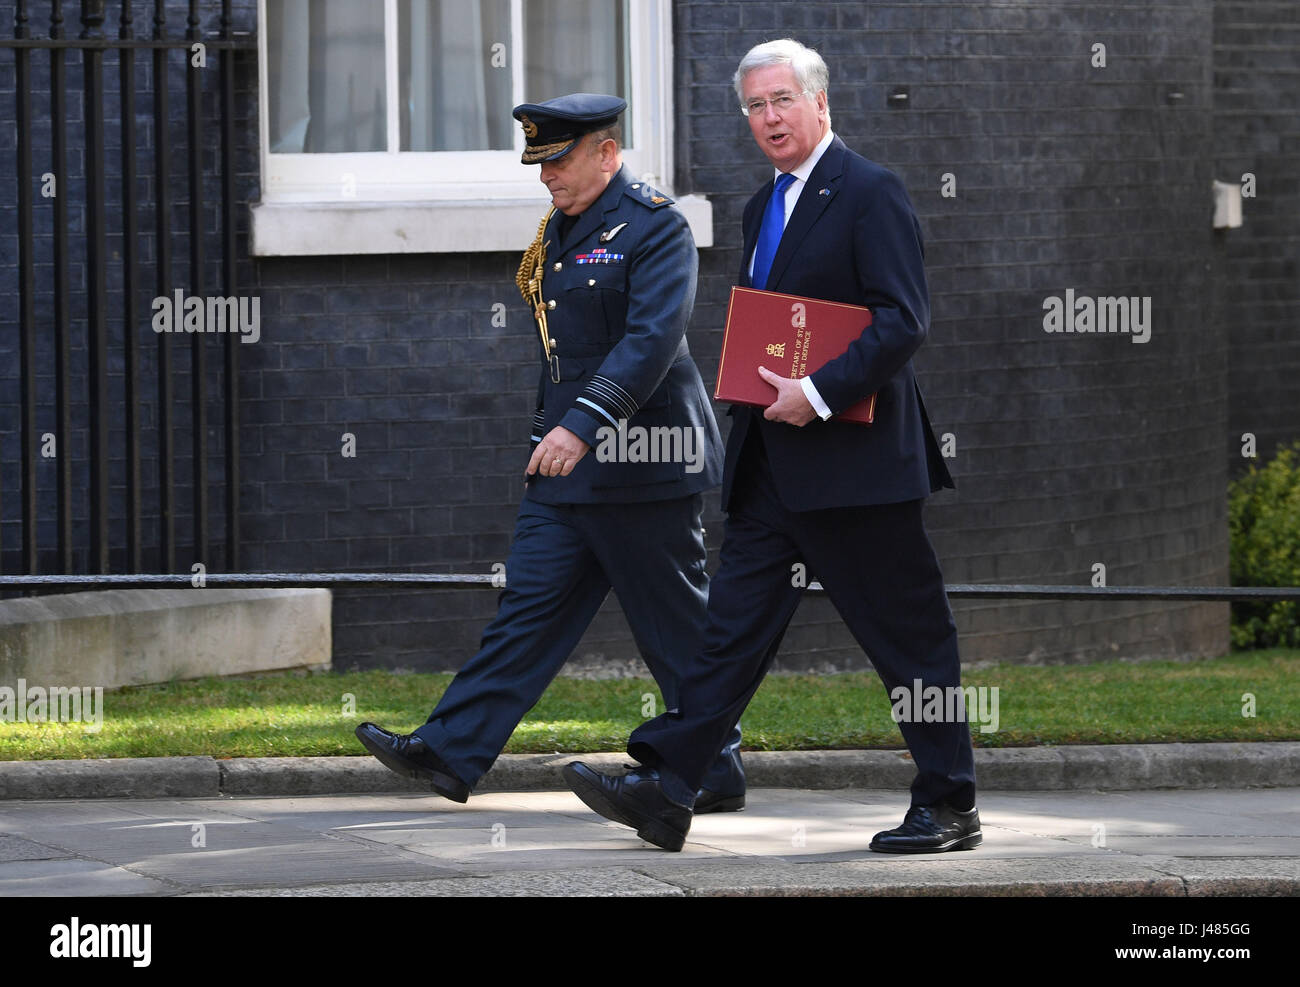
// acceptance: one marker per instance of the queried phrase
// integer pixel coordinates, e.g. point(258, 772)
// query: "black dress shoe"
point(411, 757)
point(932, 829)
point(634, 799)
point(707, 801)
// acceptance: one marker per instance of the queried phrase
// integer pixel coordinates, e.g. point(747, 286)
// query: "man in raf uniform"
point(624, 442)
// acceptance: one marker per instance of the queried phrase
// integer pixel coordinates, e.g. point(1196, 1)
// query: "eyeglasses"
point(780, 103)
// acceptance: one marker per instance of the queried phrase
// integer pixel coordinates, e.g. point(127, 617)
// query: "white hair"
point(809, 68)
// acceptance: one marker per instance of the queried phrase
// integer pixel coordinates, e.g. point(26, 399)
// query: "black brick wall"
point(1257, 131)
point(1071, 450)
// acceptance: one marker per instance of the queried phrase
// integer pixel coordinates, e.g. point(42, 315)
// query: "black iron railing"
point(462, 580)
point(107, 257)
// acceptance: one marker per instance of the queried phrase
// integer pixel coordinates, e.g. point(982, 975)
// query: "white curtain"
point(454, 74)
point(576, 46)
point(325, 59)
point(326, 63)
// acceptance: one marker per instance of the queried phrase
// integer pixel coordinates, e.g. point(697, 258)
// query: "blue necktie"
point(769, 234)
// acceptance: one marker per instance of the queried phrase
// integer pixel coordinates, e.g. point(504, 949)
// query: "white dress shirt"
point(791, 199)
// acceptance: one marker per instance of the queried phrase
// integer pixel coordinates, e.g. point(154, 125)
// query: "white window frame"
point(396, 201)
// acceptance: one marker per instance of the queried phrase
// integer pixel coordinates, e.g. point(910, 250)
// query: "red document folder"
point(791, 336)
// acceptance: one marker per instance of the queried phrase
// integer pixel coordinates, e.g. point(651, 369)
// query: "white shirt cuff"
point(815, 399)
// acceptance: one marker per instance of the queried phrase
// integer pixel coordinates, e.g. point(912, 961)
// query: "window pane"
point(454, 75)
point(325, 59)
point(577, 46)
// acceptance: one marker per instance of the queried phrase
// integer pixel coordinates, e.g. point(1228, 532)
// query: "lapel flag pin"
point(824, 191)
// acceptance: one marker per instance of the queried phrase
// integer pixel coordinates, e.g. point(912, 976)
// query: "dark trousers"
point(563, 562)
point(878, 568)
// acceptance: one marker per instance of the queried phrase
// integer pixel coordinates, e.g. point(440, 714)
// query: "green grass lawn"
point(289, 715)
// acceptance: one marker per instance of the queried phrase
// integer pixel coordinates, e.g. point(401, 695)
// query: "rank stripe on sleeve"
point(608, 398)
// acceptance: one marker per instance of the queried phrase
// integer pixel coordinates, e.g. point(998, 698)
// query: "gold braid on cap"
point(533, 153)
point(529, 280)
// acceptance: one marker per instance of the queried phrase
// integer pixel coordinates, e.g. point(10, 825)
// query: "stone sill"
point(300, 229)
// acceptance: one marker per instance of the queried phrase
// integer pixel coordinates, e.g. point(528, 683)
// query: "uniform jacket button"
point(551, 304)
point(558, 267)
point(591, 282)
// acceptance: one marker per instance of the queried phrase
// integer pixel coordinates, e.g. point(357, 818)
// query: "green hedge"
point(1264, 521)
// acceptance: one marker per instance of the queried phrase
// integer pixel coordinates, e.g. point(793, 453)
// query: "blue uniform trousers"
point(563, 562)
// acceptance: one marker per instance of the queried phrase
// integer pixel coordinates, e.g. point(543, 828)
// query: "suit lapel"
point(751, 238)
point(810, 206)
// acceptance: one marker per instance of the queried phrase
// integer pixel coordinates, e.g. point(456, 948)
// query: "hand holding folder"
point(791, 336)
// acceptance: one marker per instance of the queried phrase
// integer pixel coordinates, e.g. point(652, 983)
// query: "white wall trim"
point(300, 229)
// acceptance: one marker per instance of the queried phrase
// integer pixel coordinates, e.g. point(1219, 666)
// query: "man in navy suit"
point(624, 442)
point(799, 487)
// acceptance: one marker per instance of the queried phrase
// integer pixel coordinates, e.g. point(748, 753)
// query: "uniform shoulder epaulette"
point(647, 195)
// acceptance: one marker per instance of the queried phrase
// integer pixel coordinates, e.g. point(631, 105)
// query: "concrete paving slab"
point(820, 820)
point(45, 821)
point(193, 843)
point(588, 882)
point(285, 864)
point(785, 842)
point(795, 824)
point(944, 875)
point(16, 848)
point(1078, 815)
point(74, 878)
point(1273, 807)
point(778, 821)
point(85, 824)
point(580, 845)
point(319, 813)
point(1205, 846)
point(489, 833)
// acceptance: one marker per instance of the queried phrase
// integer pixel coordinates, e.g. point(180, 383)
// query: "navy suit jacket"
point(853, 237)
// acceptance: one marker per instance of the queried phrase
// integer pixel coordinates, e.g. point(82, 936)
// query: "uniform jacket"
point(852, 237)
point(617, 311)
